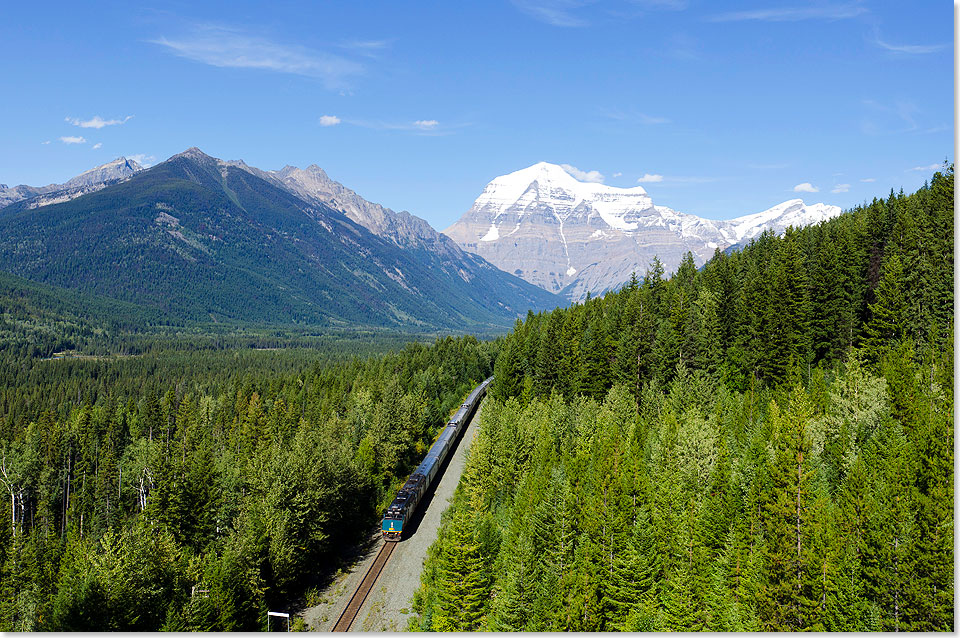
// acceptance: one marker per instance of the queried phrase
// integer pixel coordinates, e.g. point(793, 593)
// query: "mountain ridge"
point(86, 182)
point(205, 239)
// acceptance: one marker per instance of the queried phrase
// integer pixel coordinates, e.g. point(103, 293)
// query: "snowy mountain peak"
point(573, 237)
point(546, 180)
point(778, 218)
point(550, 185)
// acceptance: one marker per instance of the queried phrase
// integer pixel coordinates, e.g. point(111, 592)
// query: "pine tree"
point(463, 592)
point(786, 518)
point(888, 315)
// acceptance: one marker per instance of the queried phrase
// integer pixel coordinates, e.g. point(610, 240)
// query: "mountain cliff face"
point(572, 237)
point(87, 182)
point(313, 185)
point(201, 239)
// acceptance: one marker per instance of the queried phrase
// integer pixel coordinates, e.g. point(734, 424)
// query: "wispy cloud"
point(889, 118)
point(766, 167)
point(96, 122)
point(909, 49)
point(422, 127)
point(584, 176)
point(329, 120)
point(841, 188)
point(633, 116)
point(663, 5)
point(232, 48)
point(867, 180)
point(557, 13)
point(73, 139)
point(676, 180)
point(931, 167)
point(792, 14)
point(650, 179)
point(682, 46)
point(617, 174)
point(96, 146)
point(45, 142)
point(805, 187)
point(367, 48)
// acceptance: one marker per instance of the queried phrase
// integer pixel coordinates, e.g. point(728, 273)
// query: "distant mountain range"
point(571, 237)
point(203, 239)
point(87, 182)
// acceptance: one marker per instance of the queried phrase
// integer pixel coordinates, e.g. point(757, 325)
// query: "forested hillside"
point(764, 444)
point(195, 239)
point(195, 490)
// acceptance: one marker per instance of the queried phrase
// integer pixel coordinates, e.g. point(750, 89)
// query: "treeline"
point(764, 444)
point(39, 320)
point(140, 495)
point(874, 276)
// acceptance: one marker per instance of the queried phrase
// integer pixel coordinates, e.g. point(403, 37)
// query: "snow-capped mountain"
point(792, 212)
point(86, 182)
point(574, 237)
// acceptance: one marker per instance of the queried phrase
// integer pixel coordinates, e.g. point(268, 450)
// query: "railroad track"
point(356, 601)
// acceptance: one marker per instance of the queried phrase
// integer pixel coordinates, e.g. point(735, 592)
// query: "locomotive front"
point(392, 524)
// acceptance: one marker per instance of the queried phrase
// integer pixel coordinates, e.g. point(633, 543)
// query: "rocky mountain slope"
point(87, 182)
point(572, 237)
point(204, 239)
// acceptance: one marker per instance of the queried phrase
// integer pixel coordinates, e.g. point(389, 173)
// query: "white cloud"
point(329, 120)
point(912, 49)
point(73, 139)
point(617, 174)
point(648, 178)
point(869, 179)
point(931, 167)
point(231, 48)
point(45, 142)
point(563, 13)
point(423, 127)
point(143, 159)
point(97, 145)
point(633, 116)
point(556, 13)
point(805, 187)
point(665, 5)
point(792, 14)
point(584, 176)
point(841, 188)
point(366, 48)
point(96, 122)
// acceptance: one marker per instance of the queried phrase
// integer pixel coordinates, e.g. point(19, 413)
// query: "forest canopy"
point(765, 443)
point(193, 490)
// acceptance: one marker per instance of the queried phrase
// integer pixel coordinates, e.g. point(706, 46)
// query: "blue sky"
point(719, 108)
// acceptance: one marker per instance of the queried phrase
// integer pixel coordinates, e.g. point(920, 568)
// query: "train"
point(405, 503)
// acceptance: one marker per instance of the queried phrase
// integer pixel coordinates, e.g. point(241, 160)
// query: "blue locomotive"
point(407, 499)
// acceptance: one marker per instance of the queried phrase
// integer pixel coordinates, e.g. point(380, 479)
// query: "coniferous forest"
point(195, 490)
point(762, 444)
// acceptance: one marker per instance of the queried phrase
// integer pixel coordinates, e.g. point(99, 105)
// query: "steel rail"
point(356, 601)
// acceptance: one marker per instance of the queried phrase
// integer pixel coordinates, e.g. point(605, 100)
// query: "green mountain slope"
point(197, 239)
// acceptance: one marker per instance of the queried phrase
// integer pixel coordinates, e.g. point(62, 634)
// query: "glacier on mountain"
point(575, 237)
